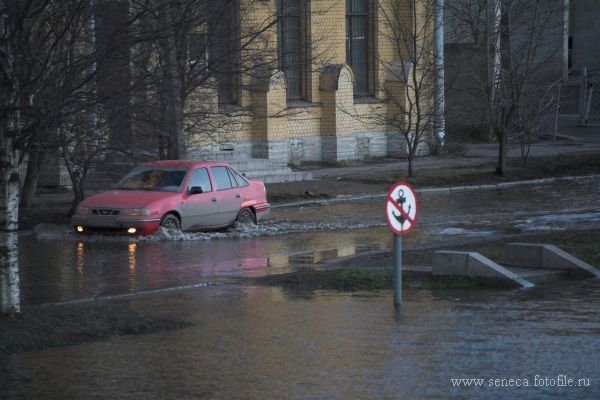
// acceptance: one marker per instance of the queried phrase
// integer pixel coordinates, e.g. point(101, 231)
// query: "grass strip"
point(537, 168)
point(355, 279)
point(42, 327)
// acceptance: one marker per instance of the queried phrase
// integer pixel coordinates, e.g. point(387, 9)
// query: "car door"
point(227, 193)
point(200, 209)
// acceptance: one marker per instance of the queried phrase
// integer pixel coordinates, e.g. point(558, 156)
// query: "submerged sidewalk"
point(571, 140)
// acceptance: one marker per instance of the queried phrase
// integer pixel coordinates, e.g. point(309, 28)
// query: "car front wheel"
point(245, 217)
point(170, 222)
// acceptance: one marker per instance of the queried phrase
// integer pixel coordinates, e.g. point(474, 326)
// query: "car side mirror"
point(196, 190)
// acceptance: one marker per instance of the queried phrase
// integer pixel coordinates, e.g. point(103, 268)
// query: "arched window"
point(357, 43)
point(289, 45)
point(224, 49)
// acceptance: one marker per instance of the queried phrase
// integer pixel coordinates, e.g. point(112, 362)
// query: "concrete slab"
point(476, 266)
point(539, 275)
point(546, 256)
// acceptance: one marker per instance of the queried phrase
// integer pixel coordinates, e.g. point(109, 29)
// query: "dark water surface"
point(264, 343)
point(56, 265)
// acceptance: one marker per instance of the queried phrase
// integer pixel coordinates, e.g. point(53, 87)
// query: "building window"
point(289, 45)
point(197, 48)
point(223, 50)
point(357, 39)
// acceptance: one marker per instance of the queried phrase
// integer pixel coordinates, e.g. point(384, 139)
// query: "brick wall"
point(329, 124)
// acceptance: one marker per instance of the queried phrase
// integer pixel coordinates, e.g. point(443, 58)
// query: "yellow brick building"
point(323, 93)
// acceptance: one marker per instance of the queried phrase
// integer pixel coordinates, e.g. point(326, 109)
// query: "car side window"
point(242, 182)
point(232, 178)
point(200, 178)
point(222, 178)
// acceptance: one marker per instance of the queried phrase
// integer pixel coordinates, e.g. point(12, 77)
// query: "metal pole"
point(582, 94)
point(566, 18)
point(397, 270)
point(440, 134)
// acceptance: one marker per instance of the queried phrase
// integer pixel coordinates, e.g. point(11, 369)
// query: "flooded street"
point(265, 343)
point(58, 266)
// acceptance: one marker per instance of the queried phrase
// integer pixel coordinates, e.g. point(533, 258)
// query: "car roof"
point(187, 164)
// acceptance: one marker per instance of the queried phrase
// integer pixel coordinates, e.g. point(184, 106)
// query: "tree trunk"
point(78, 194)
point(411, 168)
point(502, 151)
point(34, 164)
point(77, 176)
point(411, 157)
point(10, 184)
point(10, 298)
point(9, 223)
point(172, 85)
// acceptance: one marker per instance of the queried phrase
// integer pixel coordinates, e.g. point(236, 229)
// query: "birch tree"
point(34, 37)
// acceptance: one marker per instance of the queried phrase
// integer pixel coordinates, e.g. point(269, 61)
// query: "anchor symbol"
point(401, 200)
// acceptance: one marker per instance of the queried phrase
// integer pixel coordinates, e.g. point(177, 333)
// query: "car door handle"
point(238, 195)
point(214, 199)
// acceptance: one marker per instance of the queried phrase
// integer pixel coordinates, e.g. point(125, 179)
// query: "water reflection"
point(131, 257)
point(263, 343)
point(10, 300)
point(95, 266)
point(80, 259)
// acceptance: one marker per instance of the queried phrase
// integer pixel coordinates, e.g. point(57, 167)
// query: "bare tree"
point(191, 60)
point(408, 28)
point(522, 40)
point(45, 88)
point(32, 42)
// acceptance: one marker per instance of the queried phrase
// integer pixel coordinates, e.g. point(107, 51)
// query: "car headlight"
point(135, 211)
point(83, 210)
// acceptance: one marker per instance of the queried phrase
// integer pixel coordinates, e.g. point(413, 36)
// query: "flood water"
point(266, 343)
point(57, 266)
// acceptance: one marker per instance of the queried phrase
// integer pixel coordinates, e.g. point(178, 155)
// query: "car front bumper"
point(115, 225)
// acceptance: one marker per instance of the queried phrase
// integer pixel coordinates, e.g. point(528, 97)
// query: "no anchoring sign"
point(401, 208)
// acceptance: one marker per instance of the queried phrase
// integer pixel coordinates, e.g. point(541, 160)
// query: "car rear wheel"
point(245, 217)
point(170, 222)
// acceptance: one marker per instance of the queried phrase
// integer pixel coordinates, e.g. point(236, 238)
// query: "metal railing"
point(593, 99)
point(589, 98)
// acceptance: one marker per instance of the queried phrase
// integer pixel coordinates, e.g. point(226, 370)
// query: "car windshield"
point(153, 178)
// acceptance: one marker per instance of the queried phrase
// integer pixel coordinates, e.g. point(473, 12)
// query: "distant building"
point(333, 63)
point(584, 35)
point(320, 92)
point(470, 48)
point(326, 65)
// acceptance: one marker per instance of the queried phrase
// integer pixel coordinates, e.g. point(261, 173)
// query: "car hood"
point(125, 198)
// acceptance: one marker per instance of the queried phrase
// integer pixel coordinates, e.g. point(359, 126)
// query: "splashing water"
point(65, 232)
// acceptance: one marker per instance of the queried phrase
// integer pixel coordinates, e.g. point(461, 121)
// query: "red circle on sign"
point(389, 199)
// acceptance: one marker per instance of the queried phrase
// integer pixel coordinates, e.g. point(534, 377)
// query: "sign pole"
point(401, 211)
point(397, 270)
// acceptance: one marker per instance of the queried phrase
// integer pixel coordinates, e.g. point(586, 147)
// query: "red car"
point(178, 195)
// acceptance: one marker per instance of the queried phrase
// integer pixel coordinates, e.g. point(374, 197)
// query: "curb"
point(448, 189)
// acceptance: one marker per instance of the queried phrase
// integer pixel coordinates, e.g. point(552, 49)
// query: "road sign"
point(401, 208)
